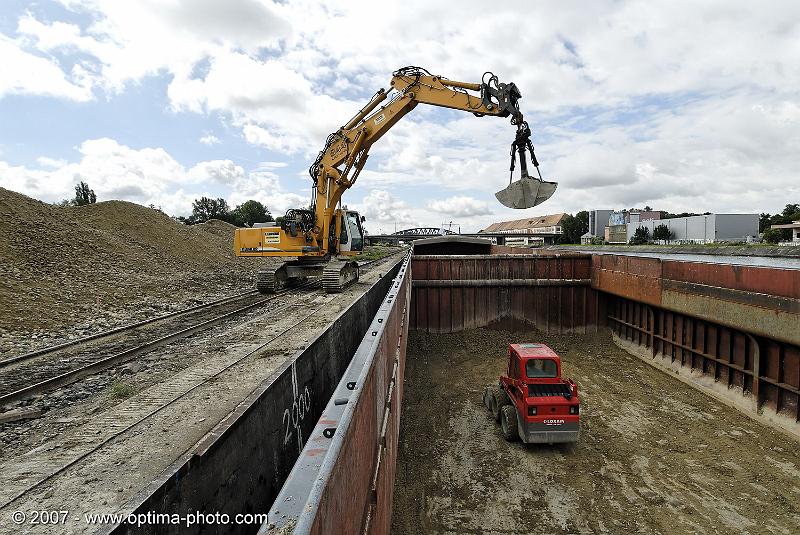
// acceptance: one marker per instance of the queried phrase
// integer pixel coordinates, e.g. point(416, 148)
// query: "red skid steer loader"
point(531, 400)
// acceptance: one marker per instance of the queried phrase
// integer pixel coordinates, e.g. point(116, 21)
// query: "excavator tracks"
point(265, 282)
point(269, 281)
point(339, 275)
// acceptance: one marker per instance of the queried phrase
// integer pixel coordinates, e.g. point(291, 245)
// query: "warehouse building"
point(709, 228)
point(517, 232)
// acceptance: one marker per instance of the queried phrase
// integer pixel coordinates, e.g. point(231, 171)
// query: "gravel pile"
point(68, 271)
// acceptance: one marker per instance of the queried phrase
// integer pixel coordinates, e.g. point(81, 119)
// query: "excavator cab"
point(351, 235)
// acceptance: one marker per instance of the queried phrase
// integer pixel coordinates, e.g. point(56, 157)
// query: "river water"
point(760, 261)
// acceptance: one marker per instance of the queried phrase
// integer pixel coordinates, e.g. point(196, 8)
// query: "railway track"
point(46, 369)
point(41, 371)
point(105, 429)
point(117, 330)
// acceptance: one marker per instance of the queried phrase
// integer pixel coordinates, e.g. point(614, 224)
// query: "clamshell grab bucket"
point(526, 192)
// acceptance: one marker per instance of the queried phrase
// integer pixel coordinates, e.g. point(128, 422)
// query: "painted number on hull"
point(272, 237)
point(292, 418)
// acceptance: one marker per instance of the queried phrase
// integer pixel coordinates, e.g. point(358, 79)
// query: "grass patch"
point(121, 390)
point(375, 252)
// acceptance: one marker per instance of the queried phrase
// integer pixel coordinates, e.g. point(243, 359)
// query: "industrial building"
point(616, 230)
point(709, 228)
point(598, 219)
point(547, 228)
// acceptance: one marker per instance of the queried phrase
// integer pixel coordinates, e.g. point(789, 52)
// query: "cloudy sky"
point(679, 105)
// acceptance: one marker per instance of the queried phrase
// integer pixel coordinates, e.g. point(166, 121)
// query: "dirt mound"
point(60, 263)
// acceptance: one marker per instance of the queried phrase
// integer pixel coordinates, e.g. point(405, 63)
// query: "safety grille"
point(540, 390)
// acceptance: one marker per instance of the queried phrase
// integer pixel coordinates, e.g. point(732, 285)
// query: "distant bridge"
point(422, 232)
point(411, 234)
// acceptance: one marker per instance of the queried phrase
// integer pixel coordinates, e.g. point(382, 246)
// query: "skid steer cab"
point(531, 400)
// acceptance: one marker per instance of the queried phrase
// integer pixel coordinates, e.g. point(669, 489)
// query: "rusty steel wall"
point(549, 292)
point(343, 481)
point(763, 301)
point(358, 494)
point(761, 369)
point(632, 277)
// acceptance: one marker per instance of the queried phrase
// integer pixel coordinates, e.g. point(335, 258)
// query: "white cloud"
point(383, 212)
point(26, 73)
point(677, 105)
point(44, 161)
point(209, 139)
point(147, 176)
point(460, 206)
point(221, 171)
point(264, 186)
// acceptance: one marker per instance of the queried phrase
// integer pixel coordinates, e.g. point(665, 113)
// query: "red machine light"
point(531, 411)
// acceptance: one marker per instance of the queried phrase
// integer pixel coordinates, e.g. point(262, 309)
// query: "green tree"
point(790, 213)
point(583, 220)
point(84, 195)
point(791, 210)
point(573, 227)
point(763, 222)
point(640, 236)
point(771, 235)
point(662, 232)
point(205, 208)
point(250, 212)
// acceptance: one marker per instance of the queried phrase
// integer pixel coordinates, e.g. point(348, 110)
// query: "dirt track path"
point(655, 455)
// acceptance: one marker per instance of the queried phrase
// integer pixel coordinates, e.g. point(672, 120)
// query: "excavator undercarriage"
point(335, 275)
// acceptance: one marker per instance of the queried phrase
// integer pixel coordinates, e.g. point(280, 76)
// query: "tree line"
point(244, 215)
point(83, 195)
point(573, 227)
point(641, 235)
point(790, 214)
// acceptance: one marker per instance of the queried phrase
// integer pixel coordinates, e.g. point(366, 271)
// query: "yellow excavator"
point(324, 231)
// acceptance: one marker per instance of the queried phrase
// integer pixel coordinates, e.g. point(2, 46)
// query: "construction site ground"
point(654, 456)
point(105, 479)
point(67, 272)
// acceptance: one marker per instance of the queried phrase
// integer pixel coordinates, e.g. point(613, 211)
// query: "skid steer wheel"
point(508, 423)
point(499, 399)
point(487, 397)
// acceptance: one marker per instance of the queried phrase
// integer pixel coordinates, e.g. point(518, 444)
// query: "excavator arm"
point(339, 164)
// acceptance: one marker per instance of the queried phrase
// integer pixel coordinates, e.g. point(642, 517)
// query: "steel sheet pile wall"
point(737, 326)
point(549, 292)
point(343, 481)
